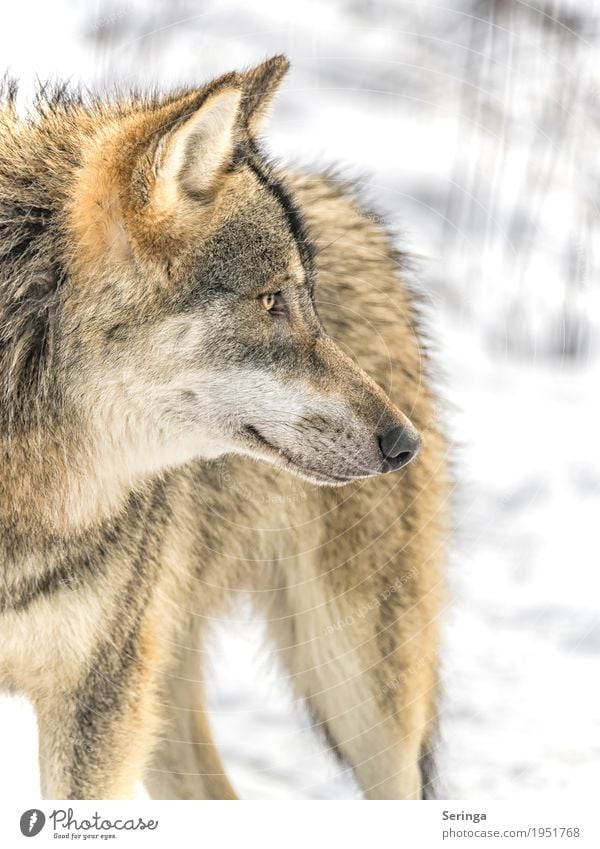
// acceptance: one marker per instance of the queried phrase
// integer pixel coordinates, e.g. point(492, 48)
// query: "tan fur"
point(152, 413)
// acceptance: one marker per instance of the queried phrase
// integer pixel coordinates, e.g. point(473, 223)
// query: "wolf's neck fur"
point(59, 479)
point(56, 471)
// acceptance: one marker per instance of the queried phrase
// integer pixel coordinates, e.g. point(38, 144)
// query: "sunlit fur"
point(151, 409)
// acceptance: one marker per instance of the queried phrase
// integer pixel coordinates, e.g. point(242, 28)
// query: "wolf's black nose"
point(398, 446)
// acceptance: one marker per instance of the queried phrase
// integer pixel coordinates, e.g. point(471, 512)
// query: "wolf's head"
point(189, 318)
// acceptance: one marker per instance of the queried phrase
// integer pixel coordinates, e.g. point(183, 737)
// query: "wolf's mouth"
point(254, 438)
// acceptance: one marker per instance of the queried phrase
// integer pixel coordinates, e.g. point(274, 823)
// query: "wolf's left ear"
point(260, 86)
point(191, 157)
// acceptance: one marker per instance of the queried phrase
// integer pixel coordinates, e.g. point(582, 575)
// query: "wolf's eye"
point(274, 303)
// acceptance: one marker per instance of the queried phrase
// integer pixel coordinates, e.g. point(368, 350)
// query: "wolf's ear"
point(260, 86)
point(191, 156)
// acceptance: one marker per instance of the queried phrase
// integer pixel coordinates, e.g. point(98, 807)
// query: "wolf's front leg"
point(97, 736)
point(186, 763)
point(361, 649)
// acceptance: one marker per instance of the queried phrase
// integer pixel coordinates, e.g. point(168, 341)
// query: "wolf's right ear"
point(191, 156)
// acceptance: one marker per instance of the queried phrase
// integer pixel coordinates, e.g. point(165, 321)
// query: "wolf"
point(213, 382)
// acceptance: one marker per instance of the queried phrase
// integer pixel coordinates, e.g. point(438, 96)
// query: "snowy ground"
point(521, 714)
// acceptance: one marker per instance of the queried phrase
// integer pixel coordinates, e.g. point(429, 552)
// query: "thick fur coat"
point(182, 325)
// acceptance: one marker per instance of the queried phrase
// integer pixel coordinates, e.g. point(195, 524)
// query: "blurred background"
point(475, 126)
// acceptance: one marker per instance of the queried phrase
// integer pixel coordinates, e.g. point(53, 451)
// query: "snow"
point(482, 151)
